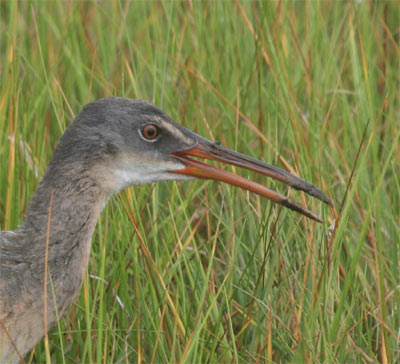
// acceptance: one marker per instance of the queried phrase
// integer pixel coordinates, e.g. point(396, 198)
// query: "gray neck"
point(74, 199)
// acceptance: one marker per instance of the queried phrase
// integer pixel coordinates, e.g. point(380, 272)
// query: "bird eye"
point(150, 132)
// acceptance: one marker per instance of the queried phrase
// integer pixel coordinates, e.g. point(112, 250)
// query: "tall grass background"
point(202, 272)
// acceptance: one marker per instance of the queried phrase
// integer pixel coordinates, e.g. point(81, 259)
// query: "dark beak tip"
point(324, 198)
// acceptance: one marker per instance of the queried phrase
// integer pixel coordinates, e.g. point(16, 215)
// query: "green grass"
point(201, 272)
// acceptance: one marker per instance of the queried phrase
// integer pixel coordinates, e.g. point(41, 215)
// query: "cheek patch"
point(126, 170)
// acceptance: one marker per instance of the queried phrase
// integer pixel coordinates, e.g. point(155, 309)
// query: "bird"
point(113, 143)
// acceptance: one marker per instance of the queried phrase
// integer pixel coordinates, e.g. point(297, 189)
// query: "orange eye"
point(150, 132)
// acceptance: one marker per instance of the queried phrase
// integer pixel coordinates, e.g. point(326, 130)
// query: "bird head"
point(134, 142)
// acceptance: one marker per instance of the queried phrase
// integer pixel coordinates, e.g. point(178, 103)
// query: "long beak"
point(208, 150)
